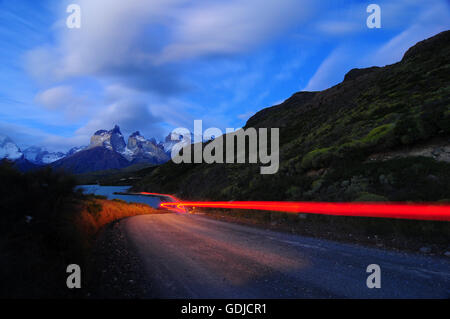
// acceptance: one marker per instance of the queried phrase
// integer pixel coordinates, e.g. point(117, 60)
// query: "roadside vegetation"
point(45, 225)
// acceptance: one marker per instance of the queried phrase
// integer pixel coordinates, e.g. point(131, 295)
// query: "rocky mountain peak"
point(112, 140)
point(8, 149)
point(140, 149)
point(41, 156)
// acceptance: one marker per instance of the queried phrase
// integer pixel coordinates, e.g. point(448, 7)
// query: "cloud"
point(129, 115)
point(140, 42)
point(230, 27)
point(63, 99)
point(25, 136)
point(156, 64)
point(55, 98)
point(246, 116)
point(331, 71)
point(431, 21)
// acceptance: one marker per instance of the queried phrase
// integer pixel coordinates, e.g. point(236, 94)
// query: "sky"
point(155, 65)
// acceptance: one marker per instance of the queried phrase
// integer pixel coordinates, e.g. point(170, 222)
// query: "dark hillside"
point(381, 134)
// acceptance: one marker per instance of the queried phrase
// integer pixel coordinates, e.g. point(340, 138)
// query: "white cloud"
point(63, 99)
point(129, 115)
point(331, 71)
point(430, 20)
point(25, 136)
point(124, 38)
point(229, 27)
point(136, 50)
point(246, 116)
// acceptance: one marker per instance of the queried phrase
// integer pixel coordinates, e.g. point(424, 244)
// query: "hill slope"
point(328, 137)
point(94, 159)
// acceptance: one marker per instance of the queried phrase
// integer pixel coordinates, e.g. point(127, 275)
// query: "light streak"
point(382, 210)
point(161, 195)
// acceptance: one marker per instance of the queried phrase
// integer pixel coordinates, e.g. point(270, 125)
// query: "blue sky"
point(154, 65)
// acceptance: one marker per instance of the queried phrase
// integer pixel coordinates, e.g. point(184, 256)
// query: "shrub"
point(318, 158)
point(407, 130)
point(368, 197)
point(381, 134)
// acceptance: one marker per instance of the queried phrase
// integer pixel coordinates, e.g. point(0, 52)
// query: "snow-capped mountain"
point(141, 150)
point(108, 150)
point(41, 156)
point(9, 150)
point(74, 150)
point(112, 140)
point(138, 148)
point(173, 139)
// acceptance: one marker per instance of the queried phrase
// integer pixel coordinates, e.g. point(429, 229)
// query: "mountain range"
point(107, 150)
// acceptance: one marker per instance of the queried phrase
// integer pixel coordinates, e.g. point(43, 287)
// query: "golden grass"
point(95, 213)
point(107, 211)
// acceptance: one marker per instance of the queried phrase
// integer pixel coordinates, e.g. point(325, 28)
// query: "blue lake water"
point(109, 191)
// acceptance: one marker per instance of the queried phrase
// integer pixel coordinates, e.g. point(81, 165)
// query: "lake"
point(109, 191)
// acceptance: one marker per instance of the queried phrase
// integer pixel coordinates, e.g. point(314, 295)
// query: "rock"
point(437, 151)
point(425, 250)
point(447, 254)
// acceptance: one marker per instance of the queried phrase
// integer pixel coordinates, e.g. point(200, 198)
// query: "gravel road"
point(191, 256)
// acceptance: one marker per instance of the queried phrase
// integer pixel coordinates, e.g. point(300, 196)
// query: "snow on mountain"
point(31, 153)
point(41, 156)
point(173, 139)
point(112, 140)
point(48, 157)
point(8, 149)
point(76, 149)
point(140, 149)
point(107, 149)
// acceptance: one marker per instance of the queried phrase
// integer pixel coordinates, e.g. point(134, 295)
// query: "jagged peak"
point(116, 129)
point(137, 133)
point(100, 132)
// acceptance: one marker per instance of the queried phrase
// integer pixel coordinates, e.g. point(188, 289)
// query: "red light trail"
point(383, 210)
point(161, 195)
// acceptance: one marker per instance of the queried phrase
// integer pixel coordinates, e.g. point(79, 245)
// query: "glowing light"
point(384, 210)
point(175, 201)
point(161, 195)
